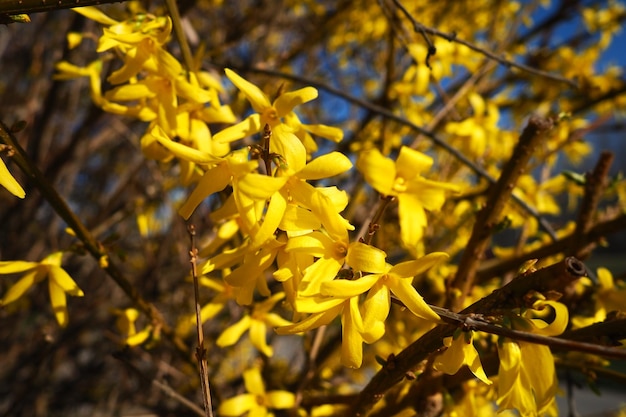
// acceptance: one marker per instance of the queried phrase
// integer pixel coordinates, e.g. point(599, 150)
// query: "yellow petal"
point(138, 338)
point(214, 180)
point(379, 172)
point(255, 96)
point(237, 406)
point(325, 166)
point(411, 269)
point(347, 288)
point(333, 133)
point(258, 337)
point(95, 14)
point(287, 145)
point(64, 281)
point(351, 340)
point(10, 183)
point(560, 322)
point(231, 335)
point(182, 151)
point(247, 127)
point(411, 162)
point(316, 304)
point(412, 219)
point(280, 399)
point(375, 310)
point(287, 101)
point(253, 381)
point(411, 298)
point(11, 267)
point(312, 322)
point(20, 287)
point(58, 302)
point(273, 217)
point(366, 258)
point(128, 92)
point(259, 187)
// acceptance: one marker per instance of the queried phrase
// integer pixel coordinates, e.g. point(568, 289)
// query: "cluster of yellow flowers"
point(294, 252)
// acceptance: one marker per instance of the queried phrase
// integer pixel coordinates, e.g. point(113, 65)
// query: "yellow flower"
point(256, 323)
point(59, 282)
point(257, 400)
point(352, 329)
point(283, 142)
point(461, 351)
point(8, 182)
point(403, 180)
point(527, 376)
point(126, 324)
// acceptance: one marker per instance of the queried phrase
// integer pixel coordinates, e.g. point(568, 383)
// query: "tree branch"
point(554, 277)
point(497, 198)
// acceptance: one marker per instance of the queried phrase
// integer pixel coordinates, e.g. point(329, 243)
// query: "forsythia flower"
point(461, 351)
point(257, 324)
point(126, 324)
point(527, 376)
point(59, 282)
point(402, 180)
point(256, 401)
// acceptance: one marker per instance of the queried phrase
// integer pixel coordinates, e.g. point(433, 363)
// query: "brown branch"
point(201, 351)
point(595, 185)
point(497, 198)
point(498, 267)
point(12, 7)
point(554, 277)
point(420, 28)
point(477, 322)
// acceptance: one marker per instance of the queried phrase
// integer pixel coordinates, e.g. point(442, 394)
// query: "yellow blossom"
point(256, 323)
point(126, 324)
point(461, 351)
point(257, 400)
point(59, 282)
point(404, 181)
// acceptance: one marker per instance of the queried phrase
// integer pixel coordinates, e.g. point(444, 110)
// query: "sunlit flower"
point(527, 376)
point(257, 400)
point(461, 351)
point(59, 282)
point(126, 324)
point(403, 180)
point(256, 323)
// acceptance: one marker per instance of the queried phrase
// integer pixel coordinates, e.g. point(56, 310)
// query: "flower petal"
point(411, 298)
point(325, 166)
point(410, 269)
point(10, 183)
point(20, 287)
point(287, 101)
point(58, 302)
point(379, 172)
point(366, 258)
point(255, 96)
point(64, 281)
point(237, 406)
point(411, 163)
point(11, 267)
point(346, 288)
point(231, 335)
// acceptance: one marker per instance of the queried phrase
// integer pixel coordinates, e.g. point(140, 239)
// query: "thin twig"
point(420, 28)
point(477, 322)
point(91, 245)
point(172, 8)
point(11, 7)
point(489, 216)
point(201, 351)
point(497, 267)
point(437, 141)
